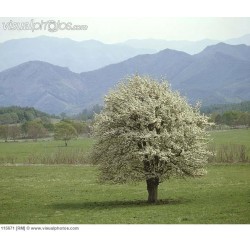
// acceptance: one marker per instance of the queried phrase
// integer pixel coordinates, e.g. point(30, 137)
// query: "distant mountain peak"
point(223, 45)
point(36, 64)
point(172, 52)
point(216, 46)
point(240, 51)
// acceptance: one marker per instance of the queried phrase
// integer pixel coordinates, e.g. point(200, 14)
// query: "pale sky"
point(113, 30)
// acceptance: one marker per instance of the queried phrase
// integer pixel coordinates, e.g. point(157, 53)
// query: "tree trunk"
point(152, 187)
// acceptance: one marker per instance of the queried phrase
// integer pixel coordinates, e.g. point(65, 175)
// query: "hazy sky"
point(112, 30)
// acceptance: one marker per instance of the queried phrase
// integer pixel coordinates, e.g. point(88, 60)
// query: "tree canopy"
point(148, 132)
point(64, 131)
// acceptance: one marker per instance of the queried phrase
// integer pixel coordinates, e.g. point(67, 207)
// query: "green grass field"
point(233, 136)
point(71, 195)
point(230, 146)
point(59, 194)
point(22, 151)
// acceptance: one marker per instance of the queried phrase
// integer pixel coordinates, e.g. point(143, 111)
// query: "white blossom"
point(144, 121)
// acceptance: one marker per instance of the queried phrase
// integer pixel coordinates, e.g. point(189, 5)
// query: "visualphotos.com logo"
point(50, 25)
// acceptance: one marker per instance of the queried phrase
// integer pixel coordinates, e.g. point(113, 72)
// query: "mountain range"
point(218, 74)
point(77, 56)
point(190, 47)
point(82, 56)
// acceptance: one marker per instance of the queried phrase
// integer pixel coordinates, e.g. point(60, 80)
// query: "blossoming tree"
point(148, 132)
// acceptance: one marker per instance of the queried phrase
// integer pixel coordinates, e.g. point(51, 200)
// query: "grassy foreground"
point(70, 194)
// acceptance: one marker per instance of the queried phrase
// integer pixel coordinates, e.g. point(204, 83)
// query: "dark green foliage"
point(232, 118)
point(15, 114)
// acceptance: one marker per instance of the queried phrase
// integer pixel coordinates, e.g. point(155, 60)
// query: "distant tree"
point(147, 132)
point(29, 115)
point(35, 129)
point(4, 132)
point(14, 132)
point(49, 126)
point(244, 119)
point(81, 127)
point(64, 131)
point(24, 128)
point(217, 118)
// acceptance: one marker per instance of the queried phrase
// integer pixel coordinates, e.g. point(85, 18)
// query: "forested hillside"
point(16, 114)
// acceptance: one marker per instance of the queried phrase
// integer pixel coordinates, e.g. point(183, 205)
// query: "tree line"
point(231, 118)
point(28, 123)
point(233, 115)
point(63, 130)
point(16, 114)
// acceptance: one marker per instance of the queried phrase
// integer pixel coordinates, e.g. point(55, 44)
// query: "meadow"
point(70, 193)
point(233, 136)
point(49, 151)
point(44, 151)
